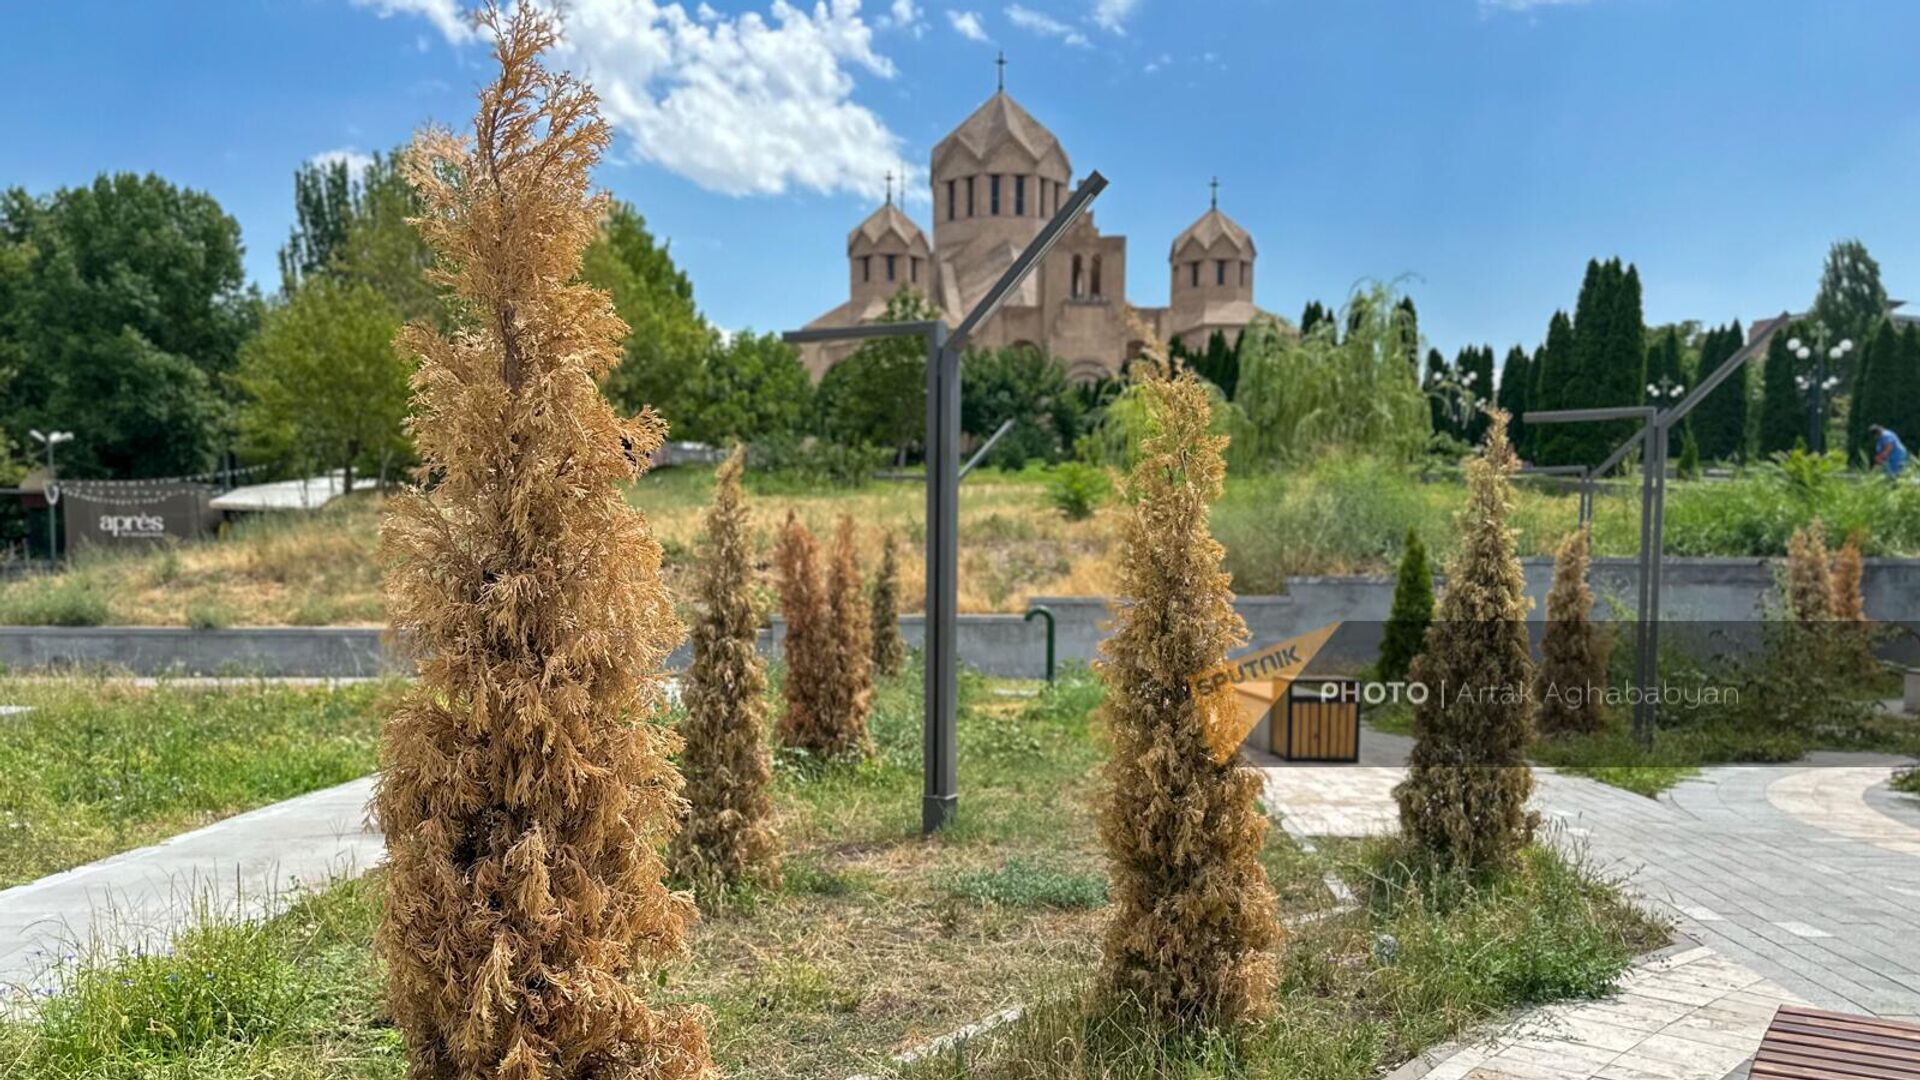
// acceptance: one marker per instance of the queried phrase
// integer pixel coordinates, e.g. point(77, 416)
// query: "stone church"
point(997, 179)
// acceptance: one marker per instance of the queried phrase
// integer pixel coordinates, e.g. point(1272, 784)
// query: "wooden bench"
point(1808, 1044)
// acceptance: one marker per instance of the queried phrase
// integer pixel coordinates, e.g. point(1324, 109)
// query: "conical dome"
point(1206, 233)
point(997, 126)
point(882, 223)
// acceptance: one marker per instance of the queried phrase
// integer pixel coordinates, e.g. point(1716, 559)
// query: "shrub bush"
point(1077, 489)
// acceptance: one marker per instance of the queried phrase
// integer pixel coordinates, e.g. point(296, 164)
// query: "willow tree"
point(526, 787)
point(1464, 801)
point(728, 839)
point(1193, 913)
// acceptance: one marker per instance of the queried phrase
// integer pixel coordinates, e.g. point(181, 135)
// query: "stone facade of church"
point(997, 179)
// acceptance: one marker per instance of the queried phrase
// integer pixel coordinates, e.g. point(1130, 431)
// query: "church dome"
point(1206, 234)
point(883, 223)
point(996, 130)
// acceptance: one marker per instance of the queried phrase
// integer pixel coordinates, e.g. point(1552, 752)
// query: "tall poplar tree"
point(527, 786)
point(1851, 301)
point(1515, 395)
point(1552, 378)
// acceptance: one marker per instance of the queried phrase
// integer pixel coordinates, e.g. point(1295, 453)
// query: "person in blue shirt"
point(1888, 451)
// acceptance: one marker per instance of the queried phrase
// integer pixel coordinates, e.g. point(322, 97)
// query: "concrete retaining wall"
point(1700, 591)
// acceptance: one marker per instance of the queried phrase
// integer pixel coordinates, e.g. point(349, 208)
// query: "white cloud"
point(905, 15)
point(1039, 22)
point(741, 105)
point(1157, 63)
point(1523, 6)
point(967, 23)
point(1112, 14)
point(445, 15)
point(356, 161)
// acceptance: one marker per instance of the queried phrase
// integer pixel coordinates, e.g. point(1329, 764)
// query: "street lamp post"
point(51, 439)
point(1818, 384)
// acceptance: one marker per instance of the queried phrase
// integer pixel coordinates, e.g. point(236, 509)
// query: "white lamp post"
point(51, 439)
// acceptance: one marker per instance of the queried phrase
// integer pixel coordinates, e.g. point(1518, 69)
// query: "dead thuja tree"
point(889, 651)
point(526, 789)
point(1848, 596)
point(1809, 577)
point(806, 723)
point(1193, 921)
point(728, 839)
point(1573, 664)
point(1464, 801)
point(850, 645)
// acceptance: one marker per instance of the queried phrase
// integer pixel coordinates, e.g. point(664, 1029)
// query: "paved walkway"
point(245, 866)
point(1795, 883)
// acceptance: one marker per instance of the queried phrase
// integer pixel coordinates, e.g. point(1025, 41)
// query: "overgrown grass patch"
point(1428, 955)
point(879, 941)
point(100, 765)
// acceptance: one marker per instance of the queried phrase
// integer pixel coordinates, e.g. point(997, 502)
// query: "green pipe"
point(1046, 613)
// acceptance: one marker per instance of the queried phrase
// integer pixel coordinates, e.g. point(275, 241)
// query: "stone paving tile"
point(246, 866)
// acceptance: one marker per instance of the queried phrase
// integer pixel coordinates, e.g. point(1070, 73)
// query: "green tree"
point(1783, 407)
point(1604, 364)
point(1474, 366)
point(668, 342)
point(1441, 414)
point(1409, 316)
point(878, 395)
point(1850, 300)
point(323, 383)
point(355, 228)
point(1888, 389)
point(752, 386)
point(129, 297)
point(1412, 612)
point(1515, 395)
point(1026, 386)
point(1666, 359)
point(1301, 397)
point(1220, 364)
point(1315, 315)
point(1720, 421)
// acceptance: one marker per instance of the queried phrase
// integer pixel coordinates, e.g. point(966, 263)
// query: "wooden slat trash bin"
point(1810, 1044)
point(1317, 719)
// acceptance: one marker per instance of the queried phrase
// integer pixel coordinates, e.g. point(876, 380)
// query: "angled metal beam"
point(982, 452)
point(860, 332)
point(1553, 470)
point(1037, 249)
point(1581, 416)
point(1706, 386)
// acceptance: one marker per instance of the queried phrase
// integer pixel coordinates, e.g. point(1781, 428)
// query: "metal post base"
point(936, 812)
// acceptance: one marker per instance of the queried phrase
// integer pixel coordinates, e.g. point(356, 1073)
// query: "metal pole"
point(940, 792)
point(1656, 563)
point(53, 540)
point(1042, 611)
point(1642, 637)
point(981, 453)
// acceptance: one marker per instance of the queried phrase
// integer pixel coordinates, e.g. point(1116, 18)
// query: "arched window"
point(1096, 276)
point(950, 200)
point(866, 268)
point(1245, 269)
point(1193, 278)
point(1076, 277)
point(969, 196)
point(914, 263)
point(1219, 271)
point(891, 259)
point(1020, 196)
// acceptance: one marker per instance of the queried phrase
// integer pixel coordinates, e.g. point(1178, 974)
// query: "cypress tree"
point(1888, 393)
point(1783, 408)
point(1622, 378)
point(728, 838)
point(1412, 612)
point(1809, 575)
point(1552, 379)
point(526, 789)
point(1573, 652)
point(1474, 367)
point(850, 645)
point(1220, 364)
point(1314, 315)
point(1193, 921)
point(1409, 317)
point(1440, 401)
point(807, 723)
point(1720, 421)
point(1665, 359)
point(1464, 801)
point(889, 651)
point(1516, 394)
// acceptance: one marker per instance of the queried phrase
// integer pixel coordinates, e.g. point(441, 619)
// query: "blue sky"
point(1483, 149)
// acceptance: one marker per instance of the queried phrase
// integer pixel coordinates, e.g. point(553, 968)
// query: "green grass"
point(1428, 955)
point(101, 766)
point(879, 941)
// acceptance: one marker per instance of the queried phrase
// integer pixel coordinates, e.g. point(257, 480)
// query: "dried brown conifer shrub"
point(1573, 666)
point(1464, 801)
point(526, 788)
point(1849, 600)
point(806, 724)
point(1193, 924)
point(889, 650)
point(849, 648)
point(1809, 579)
point(728, 838)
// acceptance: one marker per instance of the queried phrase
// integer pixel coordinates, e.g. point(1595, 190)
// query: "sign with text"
point(107, 515)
